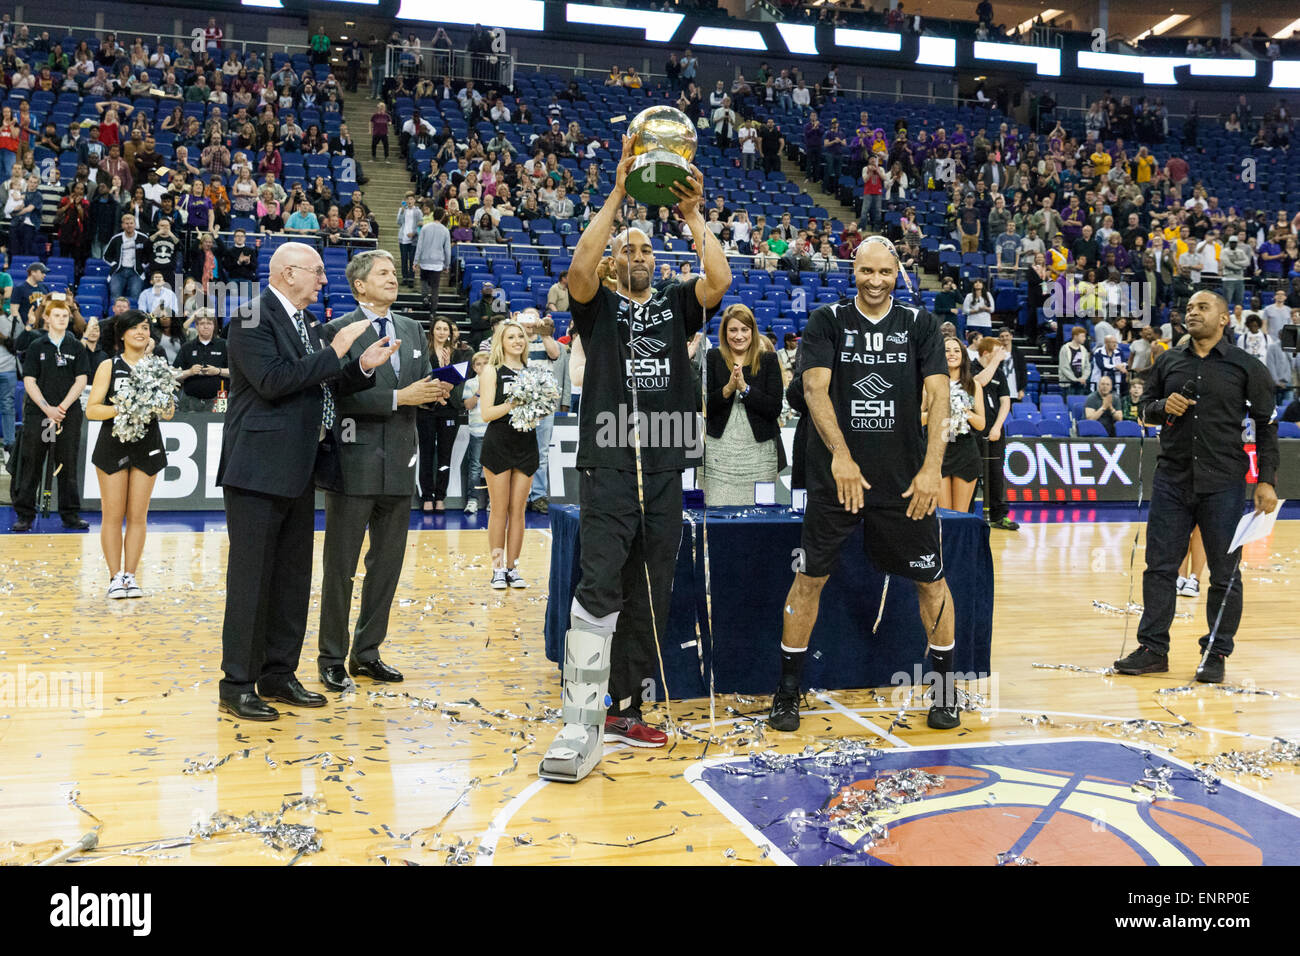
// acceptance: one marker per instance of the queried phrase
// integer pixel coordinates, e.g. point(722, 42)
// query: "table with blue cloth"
point(752, 560)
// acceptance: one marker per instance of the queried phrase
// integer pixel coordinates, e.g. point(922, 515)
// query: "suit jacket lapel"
point(285, 323)
point(410, 361)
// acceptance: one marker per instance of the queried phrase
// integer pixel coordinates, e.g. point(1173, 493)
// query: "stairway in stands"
point(387, 183)
point(843, 213)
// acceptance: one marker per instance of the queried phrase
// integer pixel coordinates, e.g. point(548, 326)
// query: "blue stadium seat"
point(1128, 429)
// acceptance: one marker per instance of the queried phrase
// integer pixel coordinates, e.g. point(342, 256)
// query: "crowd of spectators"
point(202, 140)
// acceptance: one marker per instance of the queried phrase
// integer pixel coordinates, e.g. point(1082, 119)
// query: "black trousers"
point(268, 587)
point(432, 279)
point(615, 556)
point(346, 520)
point(1175, 510)
point(437, 437)
point(34, 462)
point(374, 145)
point(995, 484)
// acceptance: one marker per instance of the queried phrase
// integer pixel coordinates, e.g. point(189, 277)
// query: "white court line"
point(841, 709)
point(497, 828)
point(499, 823)
point(746, 828)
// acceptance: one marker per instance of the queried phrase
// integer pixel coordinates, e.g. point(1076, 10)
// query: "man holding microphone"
point(1202, 392)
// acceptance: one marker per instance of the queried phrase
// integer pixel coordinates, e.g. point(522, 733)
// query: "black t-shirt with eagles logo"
point(643, 345)
point(878, 371)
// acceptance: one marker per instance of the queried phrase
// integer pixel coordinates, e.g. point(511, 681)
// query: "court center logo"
point(1040, 801)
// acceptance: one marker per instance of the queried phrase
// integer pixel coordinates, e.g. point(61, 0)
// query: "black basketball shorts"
point(895, 543)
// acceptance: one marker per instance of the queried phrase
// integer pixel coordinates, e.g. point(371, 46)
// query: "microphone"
point(1188, 391)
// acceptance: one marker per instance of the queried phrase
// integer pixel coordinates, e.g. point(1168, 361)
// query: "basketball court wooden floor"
point(441, 769)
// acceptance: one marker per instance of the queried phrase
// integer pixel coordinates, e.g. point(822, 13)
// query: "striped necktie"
point(299, 320)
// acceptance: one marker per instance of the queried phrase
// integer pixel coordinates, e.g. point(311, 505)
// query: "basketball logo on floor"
point(1058, 802)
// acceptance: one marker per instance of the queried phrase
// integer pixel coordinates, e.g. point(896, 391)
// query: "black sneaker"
point(943, 718)
point(1211, 670)
point(1143, 661)
point(785, 710)
point(1005, 524)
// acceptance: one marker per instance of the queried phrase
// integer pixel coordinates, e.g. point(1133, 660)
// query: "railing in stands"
point(174, 40)
point(433, 63)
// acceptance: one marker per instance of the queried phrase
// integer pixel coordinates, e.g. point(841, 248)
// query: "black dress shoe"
point(335, 677)
point(77, 524)
point(21, 525)
point(1142, 661)
point(1211, 671)
point(376, 670)
point(292, 692)
point(248, 707)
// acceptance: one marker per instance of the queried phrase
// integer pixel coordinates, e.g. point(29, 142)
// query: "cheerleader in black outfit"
point(961, 459)
point(509, 456)
point(126, 471)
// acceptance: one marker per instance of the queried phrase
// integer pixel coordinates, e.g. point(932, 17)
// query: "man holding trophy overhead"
point(637, 363)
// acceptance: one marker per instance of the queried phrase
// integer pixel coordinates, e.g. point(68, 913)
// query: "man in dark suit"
point(377, 459)
point(280, 430)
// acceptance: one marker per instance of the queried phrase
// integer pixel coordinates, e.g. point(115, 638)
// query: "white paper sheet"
point(1254, 526)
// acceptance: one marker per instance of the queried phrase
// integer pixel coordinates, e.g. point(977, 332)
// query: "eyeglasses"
point(319, 270)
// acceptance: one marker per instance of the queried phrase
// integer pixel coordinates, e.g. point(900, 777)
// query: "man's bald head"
point(633, 235)
point(875, 270)
point(875, 252)
point(297, 273)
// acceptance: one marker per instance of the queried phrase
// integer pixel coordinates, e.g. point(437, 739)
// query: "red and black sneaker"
point(633, 731)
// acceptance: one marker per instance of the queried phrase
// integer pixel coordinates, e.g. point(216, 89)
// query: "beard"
point(638, 281)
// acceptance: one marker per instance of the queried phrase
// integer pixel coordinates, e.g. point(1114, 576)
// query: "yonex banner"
point(1038, 470)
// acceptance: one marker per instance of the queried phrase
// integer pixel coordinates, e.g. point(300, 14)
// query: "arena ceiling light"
point(658, 27)
point(1156, 70)
point(1287, 30)
point(868, 40)
point(1159, 70)
point(1164, 26)
point(725, 37)
point(1046, 59)
point(798, 38)
point(1221, 67)
point(937, 51)
point(273, 4)
point(1286, 75)
point(1048, 15)
point(511, 14)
